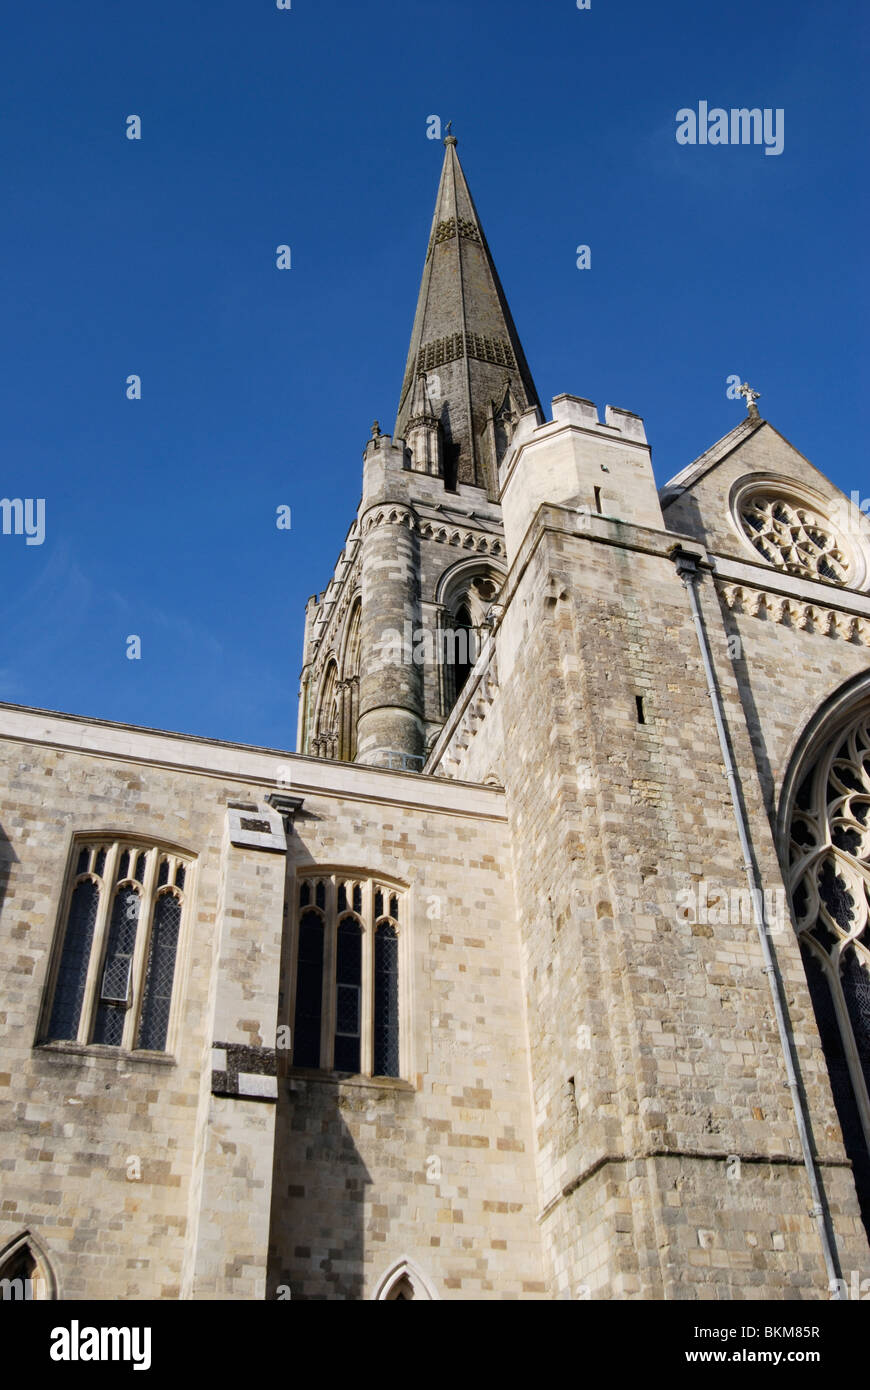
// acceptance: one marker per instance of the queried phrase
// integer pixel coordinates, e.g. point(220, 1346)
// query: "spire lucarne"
point(464, 340)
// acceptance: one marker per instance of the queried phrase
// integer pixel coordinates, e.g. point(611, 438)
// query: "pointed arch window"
point(829, 884)
point(466, 594)
point(348, 995)
point(347, 976)
point(309, 990)
point(351, 674)
point(327, 732)
point(403, 1282)
point(118, 946)
point(25, 1271)
point(386, 1011)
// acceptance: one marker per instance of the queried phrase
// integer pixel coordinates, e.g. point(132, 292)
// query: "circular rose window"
point(795, 537)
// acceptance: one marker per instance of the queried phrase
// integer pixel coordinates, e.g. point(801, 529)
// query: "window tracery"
point(829, 884)
point(794, 536)
point(347, 1014)
point(116, 962)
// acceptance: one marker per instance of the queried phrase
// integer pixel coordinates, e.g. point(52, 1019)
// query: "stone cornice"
point(447, 533)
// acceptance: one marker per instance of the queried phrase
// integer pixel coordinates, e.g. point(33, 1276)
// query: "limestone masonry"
point(540, 970)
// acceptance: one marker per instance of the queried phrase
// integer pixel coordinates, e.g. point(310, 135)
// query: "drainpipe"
point(687, 569)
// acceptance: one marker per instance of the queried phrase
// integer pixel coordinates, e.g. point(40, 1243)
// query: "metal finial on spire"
point(450, 139)
point(750, 397)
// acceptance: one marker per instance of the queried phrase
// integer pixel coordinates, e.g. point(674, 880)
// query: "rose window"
point(794, 538)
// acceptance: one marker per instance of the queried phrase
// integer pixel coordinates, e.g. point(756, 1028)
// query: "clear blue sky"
point(308, 127)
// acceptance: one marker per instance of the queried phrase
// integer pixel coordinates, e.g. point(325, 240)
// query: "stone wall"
point(279, 1182)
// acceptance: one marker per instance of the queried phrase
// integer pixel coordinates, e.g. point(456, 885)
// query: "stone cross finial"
point(750, 397)
point(376, 430)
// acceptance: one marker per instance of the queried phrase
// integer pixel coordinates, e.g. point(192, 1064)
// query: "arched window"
point(829, 884)
point(402, 1282)
point(386, 1000)
point(348, 989)
point(25, 1271)
point(465, 593)
point(347, 1017)
point(114, 998)
point(327, 729)
point(73, 970)
point(464, 653)
point(350, 678)
point(159, 974)
point(116, 959)
point(309, 990)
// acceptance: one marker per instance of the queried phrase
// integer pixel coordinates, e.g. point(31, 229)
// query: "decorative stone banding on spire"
point(454, 346)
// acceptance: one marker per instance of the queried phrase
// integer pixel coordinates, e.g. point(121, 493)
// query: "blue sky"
point(308, 127)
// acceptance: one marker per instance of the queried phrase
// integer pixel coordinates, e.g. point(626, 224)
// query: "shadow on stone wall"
point(8, 857)
point(316, 1238)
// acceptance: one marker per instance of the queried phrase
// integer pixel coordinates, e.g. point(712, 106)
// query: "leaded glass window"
point(347, 975)
point(70, 988)
point(348, 989)
point(309, 991)
point(795, 537)
point(116, 966)
point(386, 1000)
point(160, 972)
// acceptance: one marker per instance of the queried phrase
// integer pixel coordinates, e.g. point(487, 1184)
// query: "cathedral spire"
point(463, 338)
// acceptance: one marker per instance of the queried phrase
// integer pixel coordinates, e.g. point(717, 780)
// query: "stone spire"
point(463, 338)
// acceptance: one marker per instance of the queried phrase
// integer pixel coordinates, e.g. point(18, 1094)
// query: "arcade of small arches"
point(337, 707)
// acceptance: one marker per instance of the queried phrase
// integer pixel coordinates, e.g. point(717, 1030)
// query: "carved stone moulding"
point(791, 612)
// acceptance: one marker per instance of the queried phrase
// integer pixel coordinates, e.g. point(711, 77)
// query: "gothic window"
point(402, 1283)
point(327, 730)
point(25, 1272)
point(116, 962)
point(348, 989)
point(350, 677)
point(386, 1000)
point(464, 653)
point(347, 998)
point(466, 595)
point(309, 990)
point(829, 883)
point(794, 536)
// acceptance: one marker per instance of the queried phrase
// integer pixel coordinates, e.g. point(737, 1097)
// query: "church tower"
point(390, 642)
